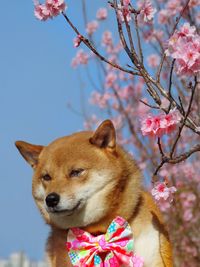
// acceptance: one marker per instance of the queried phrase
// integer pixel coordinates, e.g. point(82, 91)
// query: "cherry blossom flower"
point(55, 6)
point(81, 58)
point(41, 12)
point(126, 2)
point(163, 16)
point(91, 27)
point(162, 192)
point(102, 13)
point(126, 92)
point(49, 9)
point(124, 11)
point(174, 7)
point(146, 10)
point(187, 31)
point(163, 205)
point(188, 215)
point(100, 99)
point(160, 124)
point(110, 79)
point(107, 38)
point(194, 3)
point(77, 40)
point(153, 60)
point(184, 46)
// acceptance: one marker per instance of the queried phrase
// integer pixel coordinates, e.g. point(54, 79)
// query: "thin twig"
point(185, 118)
point(147, 104)
point(177, 159)
point(170, 82)
point(181, 104)
point(128, 29)
point(92, 48)
point(138, 38)
point(160, 147)
point(185, 155)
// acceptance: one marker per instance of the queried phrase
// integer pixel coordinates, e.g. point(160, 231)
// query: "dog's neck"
point(123, 207)
point(102, 226)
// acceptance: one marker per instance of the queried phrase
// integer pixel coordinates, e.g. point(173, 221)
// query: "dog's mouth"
point(67, 212)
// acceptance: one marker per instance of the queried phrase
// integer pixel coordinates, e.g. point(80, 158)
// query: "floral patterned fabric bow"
point(85, 250)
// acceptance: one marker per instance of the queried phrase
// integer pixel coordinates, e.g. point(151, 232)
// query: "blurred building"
point(19, 259)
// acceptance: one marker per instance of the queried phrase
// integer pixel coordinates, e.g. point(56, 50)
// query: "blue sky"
point(36, 82)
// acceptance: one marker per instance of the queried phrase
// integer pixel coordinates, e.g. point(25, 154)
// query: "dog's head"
point(75, 176)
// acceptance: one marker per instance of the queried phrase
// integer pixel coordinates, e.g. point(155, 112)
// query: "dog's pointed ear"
point(29, 152)
point(105, 136)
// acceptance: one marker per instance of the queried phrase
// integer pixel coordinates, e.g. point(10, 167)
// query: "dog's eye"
point(76, 172)
point(46, 177)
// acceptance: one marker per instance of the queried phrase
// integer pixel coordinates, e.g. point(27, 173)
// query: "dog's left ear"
point(29, 152)
point(105, 136)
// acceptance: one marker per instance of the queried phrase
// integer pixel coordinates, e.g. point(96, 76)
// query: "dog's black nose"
point(52, 200)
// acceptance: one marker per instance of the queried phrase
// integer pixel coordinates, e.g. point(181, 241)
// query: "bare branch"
point(138, 38)
point(92, 48)
point(170, 82)
point(160, 147)
point(185, 118)
point(185, 155)
point(147, 104)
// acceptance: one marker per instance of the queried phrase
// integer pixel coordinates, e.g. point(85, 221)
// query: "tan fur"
point(109, 186)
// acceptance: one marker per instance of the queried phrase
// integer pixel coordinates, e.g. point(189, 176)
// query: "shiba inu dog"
point(85, 180)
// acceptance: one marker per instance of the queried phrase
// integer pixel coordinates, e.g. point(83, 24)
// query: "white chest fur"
point(147, 246)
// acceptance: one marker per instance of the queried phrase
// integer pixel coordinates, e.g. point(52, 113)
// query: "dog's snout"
point(52, 200)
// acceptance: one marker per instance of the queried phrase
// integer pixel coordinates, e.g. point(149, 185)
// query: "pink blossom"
point(100, 100)
point(107, 38)
point(91, 27)
point(102, 14)
point(55, 6)
point(49, 9)
point(126, 2)
point(161, 191)
point(126, 92)
point(124, 11)
point(174, 7)
point(110, 79)
point(81, 58)
point(153, 60)
point(187, 31)
point(163, 16)
point(163, 205)
point(152, 36)
point(146, 10)
point(188, 199)
point(194, 3)
point(160, 124)
point(41, 12)
point(184, 46)
point(77, 40)
point(187, 215)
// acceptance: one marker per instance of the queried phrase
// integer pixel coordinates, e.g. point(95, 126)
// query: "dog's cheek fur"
point(39, 195)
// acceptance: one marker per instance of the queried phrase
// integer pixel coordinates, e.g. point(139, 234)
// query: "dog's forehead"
point(69, 148)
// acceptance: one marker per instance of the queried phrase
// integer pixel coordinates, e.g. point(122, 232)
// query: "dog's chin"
point(64, 212)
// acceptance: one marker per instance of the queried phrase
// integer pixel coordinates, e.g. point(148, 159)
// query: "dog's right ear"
point(29, 152)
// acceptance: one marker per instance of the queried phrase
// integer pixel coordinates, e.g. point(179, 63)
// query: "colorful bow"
point(86, 250)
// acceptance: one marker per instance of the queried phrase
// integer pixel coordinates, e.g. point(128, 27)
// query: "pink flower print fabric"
point(85, 250)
